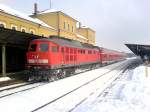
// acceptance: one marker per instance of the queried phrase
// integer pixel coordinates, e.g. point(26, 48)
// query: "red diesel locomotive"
point(55, 57)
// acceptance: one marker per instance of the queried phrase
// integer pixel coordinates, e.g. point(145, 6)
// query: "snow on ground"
point(4, 79)
point(32, 99)
point(130, 93)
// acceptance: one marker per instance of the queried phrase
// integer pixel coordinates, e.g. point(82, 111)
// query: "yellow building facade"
point(47, 23)
point(25, 24)
point(88, 33)
point(65, 24)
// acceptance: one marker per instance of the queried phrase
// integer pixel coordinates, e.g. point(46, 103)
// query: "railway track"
point(21, 84)
point(18, 89)
point(82, 86)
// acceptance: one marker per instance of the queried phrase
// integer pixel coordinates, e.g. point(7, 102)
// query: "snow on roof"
point(48, 11)
point(55, 10)
point(16, 13)
point(84, 27)
point(80, 36)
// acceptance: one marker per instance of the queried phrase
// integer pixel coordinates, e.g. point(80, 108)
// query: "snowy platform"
point(2, 79)
point(130, 93)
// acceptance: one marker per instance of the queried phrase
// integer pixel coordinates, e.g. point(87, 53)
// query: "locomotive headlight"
point(43, 61)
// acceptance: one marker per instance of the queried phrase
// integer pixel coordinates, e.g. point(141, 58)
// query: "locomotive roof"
point(69, 43)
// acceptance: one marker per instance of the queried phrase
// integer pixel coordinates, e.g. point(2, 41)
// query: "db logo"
point(35, 56)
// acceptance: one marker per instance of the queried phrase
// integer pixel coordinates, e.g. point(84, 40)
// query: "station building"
point(66, 25)
point(88, 33)
point(46, 23)
point(17, 29)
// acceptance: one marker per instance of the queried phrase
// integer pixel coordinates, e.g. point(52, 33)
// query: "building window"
point(68, 27)
point(2, 24)
point(23, 29)
point(13, 27)
point(64, 25)
point(72, 29)
point(32, 31)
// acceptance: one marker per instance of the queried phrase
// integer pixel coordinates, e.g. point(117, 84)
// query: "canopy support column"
point(4, 60)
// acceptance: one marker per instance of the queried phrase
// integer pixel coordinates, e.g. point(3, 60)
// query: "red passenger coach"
point(110, 56)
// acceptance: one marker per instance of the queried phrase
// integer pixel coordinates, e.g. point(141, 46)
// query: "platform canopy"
point(15, 38)
point(139, 50)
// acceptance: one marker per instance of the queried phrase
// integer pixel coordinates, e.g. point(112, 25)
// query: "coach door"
point(55, 55)
point(63, 55)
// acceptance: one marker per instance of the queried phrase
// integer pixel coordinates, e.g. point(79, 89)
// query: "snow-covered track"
point(122, 69)
point(18, 89)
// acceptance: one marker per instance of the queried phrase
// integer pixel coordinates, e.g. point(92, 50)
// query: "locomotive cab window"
point(43, 47)
point(33, 47)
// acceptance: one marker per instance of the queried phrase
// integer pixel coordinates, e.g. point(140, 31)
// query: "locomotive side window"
point(43, 47)
point(33, 47)
point(55, 49)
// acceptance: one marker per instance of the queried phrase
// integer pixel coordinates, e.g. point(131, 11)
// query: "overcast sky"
point(116, 22)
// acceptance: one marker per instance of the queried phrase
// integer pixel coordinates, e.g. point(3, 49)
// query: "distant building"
point(45, 23)
point(65, 25)
point(88, 33)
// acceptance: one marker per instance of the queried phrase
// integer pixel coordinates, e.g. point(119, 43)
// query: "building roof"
point(85, 27)
point(55, 11)
point(82, 37)
point(18, 14)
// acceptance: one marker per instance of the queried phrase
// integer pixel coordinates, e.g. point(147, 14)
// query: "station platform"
point(2, 79)
point(140, 50)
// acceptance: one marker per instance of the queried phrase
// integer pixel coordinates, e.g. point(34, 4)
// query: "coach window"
point(71, 50)
point(79, 51)
point(43, 47)
point(75, 51)
point(67, 50)
point(62, 50)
